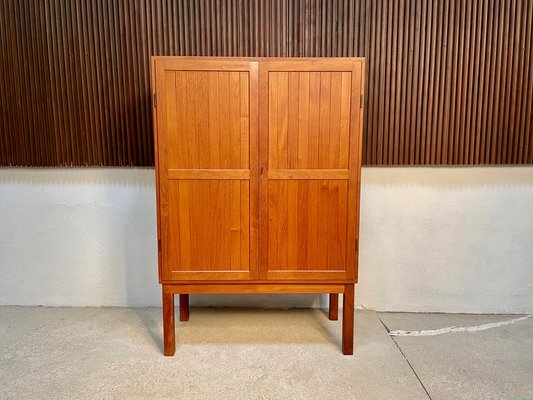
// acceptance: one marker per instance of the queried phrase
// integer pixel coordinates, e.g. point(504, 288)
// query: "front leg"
point(348, 320)
point(169, 333)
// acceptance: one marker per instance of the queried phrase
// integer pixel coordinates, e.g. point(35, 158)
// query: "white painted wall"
point(432, 239)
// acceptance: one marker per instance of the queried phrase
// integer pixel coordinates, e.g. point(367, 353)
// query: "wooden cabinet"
point(258, 166)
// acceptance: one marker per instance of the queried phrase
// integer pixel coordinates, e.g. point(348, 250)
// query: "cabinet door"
point(310, 151)
point(207, 168)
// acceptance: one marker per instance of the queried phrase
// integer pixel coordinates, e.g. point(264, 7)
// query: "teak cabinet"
point(258, 166)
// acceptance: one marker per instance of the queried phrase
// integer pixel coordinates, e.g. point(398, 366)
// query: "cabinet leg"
point(184, 307)
point(169, 334)
point(334, 306)
point(348, 320)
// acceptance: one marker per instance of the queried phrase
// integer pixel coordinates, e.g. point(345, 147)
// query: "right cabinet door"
point(310, 154)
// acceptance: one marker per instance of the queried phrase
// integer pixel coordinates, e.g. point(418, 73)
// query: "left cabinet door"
point(206, 147)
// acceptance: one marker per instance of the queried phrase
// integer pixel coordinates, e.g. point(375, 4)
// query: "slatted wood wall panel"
point(448, 81)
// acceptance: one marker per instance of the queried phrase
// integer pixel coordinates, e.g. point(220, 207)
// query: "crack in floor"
point(405, 358)
point(456, 329)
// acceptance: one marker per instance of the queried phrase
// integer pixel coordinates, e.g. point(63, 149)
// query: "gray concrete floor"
point(115, 353)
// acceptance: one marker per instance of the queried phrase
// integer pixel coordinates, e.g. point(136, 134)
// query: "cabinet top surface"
point(256, 59)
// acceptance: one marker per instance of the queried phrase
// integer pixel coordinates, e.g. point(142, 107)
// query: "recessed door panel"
point(309, 119)
point(307, 225)
point(209, 225)
point(211, 126)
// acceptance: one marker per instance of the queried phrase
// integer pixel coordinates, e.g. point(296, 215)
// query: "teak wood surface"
point(258, 175)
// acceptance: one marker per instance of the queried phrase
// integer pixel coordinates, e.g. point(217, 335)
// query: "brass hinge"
point(155, 100)
point(361, 101)
point(158, 244)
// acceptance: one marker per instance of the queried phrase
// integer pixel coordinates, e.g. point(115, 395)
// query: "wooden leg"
point(184, 307)
point(169, 334)
point(347, 320)
point(334, 306)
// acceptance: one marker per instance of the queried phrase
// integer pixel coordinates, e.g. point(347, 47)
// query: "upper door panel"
point(210, 127)
point(309, 119)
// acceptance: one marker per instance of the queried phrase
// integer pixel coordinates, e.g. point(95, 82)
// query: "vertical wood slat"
point(448, 82)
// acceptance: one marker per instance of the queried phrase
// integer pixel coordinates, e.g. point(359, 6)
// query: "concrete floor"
point(115, 353)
